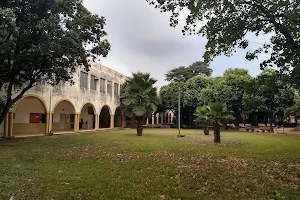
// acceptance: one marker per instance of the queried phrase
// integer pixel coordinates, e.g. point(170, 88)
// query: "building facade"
point(92, 103)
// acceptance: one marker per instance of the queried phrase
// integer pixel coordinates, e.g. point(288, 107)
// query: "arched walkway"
point(150, 120)
point(104, 118)
point(118, 117)
point(156, 118)
point(29, 116)
point(87, 117)
point(161, 118)
point(167, 119)
point(170, 118)
point(63, 116)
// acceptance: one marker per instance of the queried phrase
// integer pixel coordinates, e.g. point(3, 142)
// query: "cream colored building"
point(91, 103)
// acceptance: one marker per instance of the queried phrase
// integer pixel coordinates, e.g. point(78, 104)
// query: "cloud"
point(142, 40)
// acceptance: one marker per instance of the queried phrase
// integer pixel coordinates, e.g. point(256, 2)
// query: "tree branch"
point(272, 19)
point(19, 96)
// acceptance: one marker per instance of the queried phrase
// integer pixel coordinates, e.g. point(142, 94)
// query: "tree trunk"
point(271, 124)
point(281, 120)
point(237, 121)
point(217, 134)
point(139, 129)
point(4, 112)
point(9, 101)
point(206, 130)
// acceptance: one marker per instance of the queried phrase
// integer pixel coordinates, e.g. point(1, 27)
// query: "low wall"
point(28, 128)
point(69, 127)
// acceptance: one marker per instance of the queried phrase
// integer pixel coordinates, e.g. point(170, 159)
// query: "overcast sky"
point(142, 40)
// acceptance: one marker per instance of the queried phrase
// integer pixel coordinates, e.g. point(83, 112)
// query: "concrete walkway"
point(82, 132)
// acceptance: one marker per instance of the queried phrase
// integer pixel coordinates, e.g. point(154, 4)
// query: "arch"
point(106, 105)
point(161, 118)
point(104, 117)
point(63, 116)
point(30, 95)
point(87, 117)
point(64, 99)
point(30, 115)
point(94, 108)
point(118, 119)
point(170, 118)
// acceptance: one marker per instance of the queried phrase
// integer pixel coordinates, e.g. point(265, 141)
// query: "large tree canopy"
point(45, 40)
point(269, 94)
point(193, 89)
point(182, 74)
point(249, 99)
point(215, 92)
point(225, 23)
point(169, 95)
point(235, 83)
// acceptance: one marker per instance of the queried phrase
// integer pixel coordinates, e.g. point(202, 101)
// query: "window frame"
point(84, 80)
point(116, 89)
point(109, 88)
point(102, 85)
point(94, 80)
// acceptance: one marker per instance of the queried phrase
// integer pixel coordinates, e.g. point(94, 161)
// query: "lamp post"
point(179, 111)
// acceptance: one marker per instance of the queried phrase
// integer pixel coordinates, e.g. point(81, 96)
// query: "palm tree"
point(139, 98)
point(202, 117)
point(215, 113)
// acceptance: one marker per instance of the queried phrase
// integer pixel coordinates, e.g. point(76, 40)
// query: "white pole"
point(179, 112)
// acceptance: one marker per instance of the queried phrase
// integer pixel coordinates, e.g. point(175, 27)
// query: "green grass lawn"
point(120, 165)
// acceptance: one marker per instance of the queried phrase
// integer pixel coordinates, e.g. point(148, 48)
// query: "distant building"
point(91, 103)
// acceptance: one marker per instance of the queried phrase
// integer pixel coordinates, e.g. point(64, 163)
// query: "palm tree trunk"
point(206, 130)
point(139, 129)
point(217, 133)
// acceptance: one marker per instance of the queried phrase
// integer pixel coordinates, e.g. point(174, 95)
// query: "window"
point(94, 82)
point(116, 89)
point(102, 85)
point(109, 87)
point(84, 80)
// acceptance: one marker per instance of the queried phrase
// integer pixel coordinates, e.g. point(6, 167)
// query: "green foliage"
point(226, 24)
point(183, 74)
point(214, 92)
point(263, 98)
point(169, 100)
point(139, 97)
point(268, 93)
point(193, 89)
point(294, 110)
point(45, 40)
point(201, 115)
point(235, 83)
point(215, 113)
point(169, 95)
